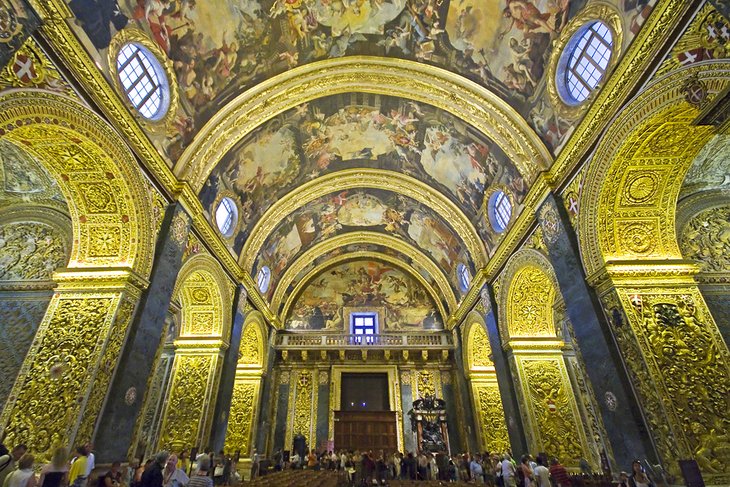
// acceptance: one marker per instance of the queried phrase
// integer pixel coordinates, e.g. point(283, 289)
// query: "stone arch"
point(477, 350)
point(527, 297)
point(99, 177)
point(252, 353)
point(630, 197)
point(203, 293)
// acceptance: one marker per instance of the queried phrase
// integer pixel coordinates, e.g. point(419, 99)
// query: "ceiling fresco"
point(360, 248)
point(220, 48)
point(359, 130)
point(364, 285)
point(356, 210)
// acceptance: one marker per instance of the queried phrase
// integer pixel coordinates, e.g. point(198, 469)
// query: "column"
point(67, 373)
point(505, 380)
point(323, 407)
point(269, 394)
point(466, 422)
point(227, 388)
point(114, 438)
point(283, 388)
point(618, 408)
point(406, 394)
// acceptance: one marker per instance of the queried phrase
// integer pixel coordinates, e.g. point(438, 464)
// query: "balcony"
point(343, 341)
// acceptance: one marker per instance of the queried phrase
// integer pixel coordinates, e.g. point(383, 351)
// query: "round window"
point(226, 216)
point(464, 277)
point(584, 62)
point(143, 80)
point(264, 279)
point(500, 211)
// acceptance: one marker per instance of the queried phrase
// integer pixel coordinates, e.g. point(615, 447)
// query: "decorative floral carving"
point(553, 408)
point(491, 418)
point(706, 239)
point(250, 345)
point(530, 303)
point(303, 409)
point(479, 348)
point(240, 421)
point(30, 250)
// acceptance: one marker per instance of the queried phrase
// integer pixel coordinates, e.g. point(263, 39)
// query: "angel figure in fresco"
point(524, 15)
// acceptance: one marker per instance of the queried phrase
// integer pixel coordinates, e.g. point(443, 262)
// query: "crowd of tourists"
point(368, 468)
point(18, 469)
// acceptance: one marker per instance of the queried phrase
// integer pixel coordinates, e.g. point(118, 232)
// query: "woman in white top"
point(173, 476)
point(24, 476)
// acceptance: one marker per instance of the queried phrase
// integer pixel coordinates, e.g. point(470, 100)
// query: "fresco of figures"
point(364, 284)
point(219, 48)
point(357, 210)
point(330, 135)
point(349, 250)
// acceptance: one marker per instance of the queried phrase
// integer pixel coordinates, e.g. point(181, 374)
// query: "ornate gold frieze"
point(346, 239)
point(99, 178)
point(364, 178)
point(189, 402)
point(490, 416)
point(704, 239)
point(302, 408)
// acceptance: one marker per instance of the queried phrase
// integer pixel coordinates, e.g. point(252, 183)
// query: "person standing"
point(638, 477)
point(91, 459)
point(77, 475)
point(152, 476)
point(55, 474)
point(508, 471)
point(7, 461)
point(527, 473)
point(24, 476)
point(201, 478)
point(559, 474)
point(173, 475)
point(542, 474)
point(255, 464)
point(476, 470)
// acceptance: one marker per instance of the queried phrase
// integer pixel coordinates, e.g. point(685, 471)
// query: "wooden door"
point(366, 430)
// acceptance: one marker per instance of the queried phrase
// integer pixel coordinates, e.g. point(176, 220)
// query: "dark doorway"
point(365, 392)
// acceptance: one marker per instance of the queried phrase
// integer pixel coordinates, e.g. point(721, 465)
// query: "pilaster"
point(619, 411)
point(65, 378)
point(115, 436)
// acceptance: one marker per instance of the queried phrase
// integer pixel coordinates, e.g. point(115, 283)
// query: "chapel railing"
point(439, 340)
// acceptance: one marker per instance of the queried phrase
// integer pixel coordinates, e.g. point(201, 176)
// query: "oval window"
point(584, 62)
point(143, 80)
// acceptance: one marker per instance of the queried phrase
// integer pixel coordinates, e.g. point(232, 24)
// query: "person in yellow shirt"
point(77, 474)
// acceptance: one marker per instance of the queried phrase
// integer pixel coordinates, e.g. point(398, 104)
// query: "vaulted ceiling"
point(364, 133)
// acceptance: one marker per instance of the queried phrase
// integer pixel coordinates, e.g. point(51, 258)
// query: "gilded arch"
point(321, 248)
point(364, 178)
point(477, 350)
point(253, 351)
point(630, 197)
point(351, 256)
point(527, 295)
point(97, 174)
point(408, 79)
point(204, 294)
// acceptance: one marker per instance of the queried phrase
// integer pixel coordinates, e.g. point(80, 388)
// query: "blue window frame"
point(364, 325)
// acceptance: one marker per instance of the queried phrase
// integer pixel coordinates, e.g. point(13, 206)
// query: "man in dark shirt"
point(152, 476)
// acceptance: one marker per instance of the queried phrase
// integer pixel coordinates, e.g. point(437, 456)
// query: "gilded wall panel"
point(241, 416)
point(490, 415)
point(55, 381)
point(529, 308)
point(188, 401)
point(706, 239)
point(302, 404)
point(681, 367)
point(31, 250)
point(551, 408)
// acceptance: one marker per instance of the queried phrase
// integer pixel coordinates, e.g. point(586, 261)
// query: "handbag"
point(218, 472)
